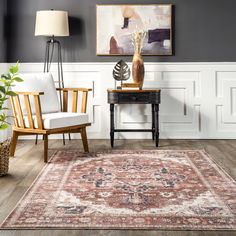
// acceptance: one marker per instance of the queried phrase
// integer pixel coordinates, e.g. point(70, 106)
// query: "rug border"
point(28, 189)
point(217, 164)
point(203, 151)
point(115, 228)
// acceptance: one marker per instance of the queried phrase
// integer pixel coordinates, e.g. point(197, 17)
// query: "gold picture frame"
point(114, 39)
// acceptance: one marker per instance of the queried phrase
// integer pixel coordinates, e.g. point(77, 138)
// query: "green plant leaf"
point(2, 89)
point(8, 83)
point(2, 116)
point(11, 93)
point(4, 126)
point(18, 79)
point(14, 69)
point(7, 76)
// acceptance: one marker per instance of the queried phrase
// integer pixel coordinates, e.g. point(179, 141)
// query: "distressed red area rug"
point(182, 190)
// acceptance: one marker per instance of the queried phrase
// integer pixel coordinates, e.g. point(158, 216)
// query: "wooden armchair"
point(36, 110)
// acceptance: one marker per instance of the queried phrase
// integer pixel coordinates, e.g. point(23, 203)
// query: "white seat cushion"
point(60, 120)
point(39, 82)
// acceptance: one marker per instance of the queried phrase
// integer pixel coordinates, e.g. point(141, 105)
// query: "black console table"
point(145, 96)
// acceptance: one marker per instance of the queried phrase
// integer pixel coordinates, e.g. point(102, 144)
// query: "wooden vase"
point(138, 69)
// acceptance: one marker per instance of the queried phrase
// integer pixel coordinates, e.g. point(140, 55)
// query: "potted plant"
point(6, 83)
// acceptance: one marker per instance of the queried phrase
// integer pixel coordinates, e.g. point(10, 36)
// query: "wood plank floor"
point(29, 161)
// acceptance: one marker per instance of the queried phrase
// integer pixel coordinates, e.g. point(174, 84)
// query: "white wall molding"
point(198, 99)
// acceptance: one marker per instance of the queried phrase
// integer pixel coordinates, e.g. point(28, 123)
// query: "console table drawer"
point(138, 98)
point(134, 98)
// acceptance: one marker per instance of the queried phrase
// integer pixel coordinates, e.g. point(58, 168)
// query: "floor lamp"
point(53, 23)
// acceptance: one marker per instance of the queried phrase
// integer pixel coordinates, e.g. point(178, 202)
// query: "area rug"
point(171, 190)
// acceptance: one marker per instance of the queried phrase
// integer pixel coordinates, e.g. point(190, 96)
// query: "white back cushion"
point(39, 82)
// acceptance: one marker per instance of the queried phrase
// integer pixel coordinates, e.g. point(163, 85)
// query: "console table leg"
point(112, 126)
point(157, 124)
point(153, 122)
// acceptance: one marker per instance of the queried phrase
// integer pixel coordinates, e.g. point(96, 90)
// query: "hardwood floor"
point(27, 163)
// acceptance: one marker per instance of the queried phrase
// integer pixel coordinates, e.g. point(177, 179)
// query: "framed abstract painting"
point(117, 23)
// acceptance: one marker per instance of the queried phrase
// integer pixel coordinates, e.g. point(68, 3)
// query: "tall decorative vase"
point(138, 69)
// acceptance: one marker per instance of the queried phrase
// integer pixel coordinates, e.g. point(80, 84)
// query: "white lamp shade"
point(51, 23)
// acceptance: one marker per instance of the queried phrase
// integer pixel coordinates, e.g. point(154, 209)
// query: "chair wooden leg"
point(13, 143)
point(45, 148)
point(84, 139)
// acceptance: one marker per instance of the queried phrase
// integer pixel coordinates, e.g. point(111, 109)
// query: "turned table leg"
point(112, 126)
point(157, 124)
point(153, 123)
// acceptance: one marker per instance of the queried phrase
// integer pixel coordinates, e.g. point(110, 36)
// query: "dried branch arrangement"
point(138, 40)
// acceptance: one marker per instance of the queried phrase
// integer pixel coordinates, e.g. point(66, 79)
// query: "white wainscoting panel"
point(198, 100)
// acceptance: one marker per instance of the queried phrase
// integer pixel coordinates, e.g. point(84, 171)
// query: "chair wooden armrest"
point(17, 109)
point(75, 89)
point(29, 93)
point(75, 92)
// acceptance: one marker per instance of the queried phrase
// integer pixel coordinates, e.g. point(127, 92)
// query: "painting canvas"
point(117, 23)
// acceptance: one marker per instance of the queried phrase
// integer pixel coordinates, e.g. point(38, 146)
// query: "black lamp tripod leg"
point(36, 140)
point(45, 69)
point(60, 78)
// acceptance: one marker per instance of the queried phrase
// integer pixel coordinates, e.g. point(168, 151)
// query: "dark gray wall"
point(204, 30)
point(3, 44)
